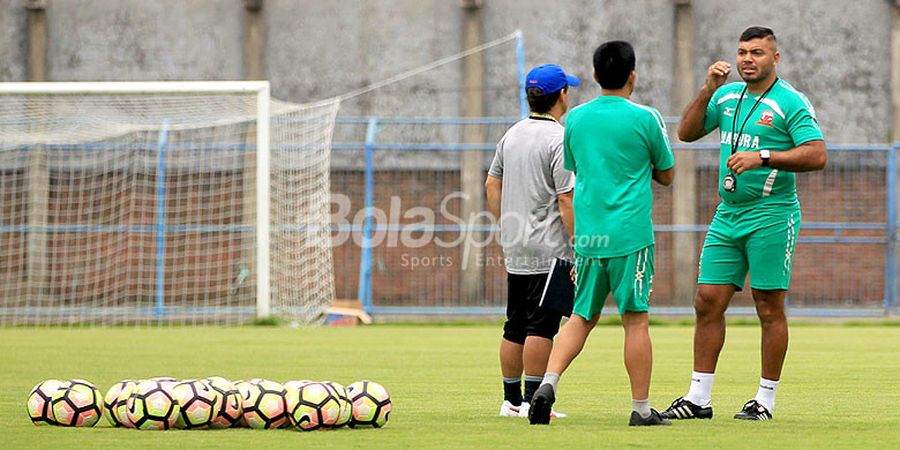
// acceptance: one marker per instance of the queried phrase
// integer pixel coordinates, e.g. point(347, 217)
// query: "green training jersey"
point(782, 120)
point(613, 145)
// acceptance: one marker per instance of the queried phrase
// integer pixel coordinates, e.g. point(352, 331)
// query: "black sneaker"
point(541, 405)
point(653, 419)
point(753, 410)
point(684, 409)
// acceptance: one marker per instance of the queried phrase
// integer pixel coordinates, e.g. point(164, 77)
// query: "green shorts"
point(629, 278)
point(758, 240)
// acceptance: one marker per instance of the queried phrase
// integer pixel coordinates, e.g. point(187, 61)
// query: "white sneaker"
point(523, 412)
point(507, 409)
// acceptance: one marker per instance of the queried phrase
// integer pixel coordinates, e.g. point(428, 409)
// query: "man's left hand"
point(743, 161)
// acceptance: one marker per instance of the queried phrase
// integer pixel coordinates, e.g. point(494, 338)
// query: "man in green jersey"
point(768, 132)
point(615, 147)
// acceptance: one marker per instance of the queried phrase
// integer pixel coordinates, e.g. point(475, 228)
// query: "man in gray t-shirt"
point(531, 192)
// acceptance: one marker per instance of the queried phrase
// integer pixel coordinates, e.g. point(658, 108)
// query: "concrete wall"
point(13, 24)
point(141, 40)
point(837, 52)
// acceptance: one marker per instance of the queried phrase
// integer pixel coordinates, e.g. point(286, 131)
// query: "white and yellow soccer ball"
point(198, 403)
point(371, 404)
point(229, 413)
point(313, 406)
point(263, 404)
point(340, 392)
point(38, 403)
point(151, 406)
point(114, 402)
point(79, 404)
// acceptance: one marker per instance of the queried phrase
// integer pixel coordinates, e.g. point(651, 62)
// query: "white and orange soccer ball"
point(229, 413)
point(114, 402)
point(79, 404)
point(151, 406)
point(313, 406)
point(38, 403)
point(198, 403)
point(340, 392)
point(371, 404)
point(263, 404)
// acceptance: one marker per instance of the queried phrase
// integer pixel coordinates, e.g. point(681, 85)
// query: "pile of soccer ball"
point(163, 403)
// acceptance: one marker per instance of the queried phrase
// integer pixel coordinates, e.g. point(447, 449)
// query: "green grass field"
point(841, 385)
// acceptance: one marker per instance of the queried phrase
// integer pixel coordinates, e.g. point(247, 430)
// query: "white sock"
point(552, 379)
point(700, 392)
point(642, 407)
point(766, 393)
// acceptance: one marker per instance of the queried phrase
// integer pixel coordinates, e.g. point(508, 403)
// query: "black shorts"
point(523, 315)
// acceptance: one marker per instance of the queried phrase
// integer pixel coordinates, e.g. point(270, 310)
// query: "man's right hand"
point(716, 75)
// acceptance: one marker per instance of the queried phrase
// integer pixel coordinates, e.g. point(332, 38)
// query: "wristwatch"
point(764, 154)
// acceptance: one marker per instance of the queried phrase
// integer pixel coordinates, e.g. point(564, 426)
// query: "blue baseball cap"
point(549, 78)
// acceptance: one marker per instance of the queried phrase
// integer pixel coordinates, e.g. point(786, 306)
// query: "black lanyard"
point(735, 138)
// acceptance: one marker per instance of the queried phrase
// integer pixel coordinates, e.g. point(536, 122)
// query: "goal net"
point(197, 202)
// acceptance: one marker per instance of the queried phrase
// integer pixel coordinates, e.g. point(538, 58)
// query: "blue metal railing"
point(886, 232)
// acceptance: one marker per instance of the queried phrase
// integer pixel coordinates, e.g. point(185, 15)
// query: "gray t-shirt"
point(529, 159)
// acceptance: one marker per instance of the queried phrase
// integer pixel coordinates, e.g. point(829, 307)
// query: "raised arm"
point(691, 126)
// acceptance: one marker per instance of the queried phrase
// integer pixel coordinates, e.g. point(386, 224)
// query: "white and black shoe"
point(685, 409)
point(753, 410)
point(523, 412)
point(507, 409)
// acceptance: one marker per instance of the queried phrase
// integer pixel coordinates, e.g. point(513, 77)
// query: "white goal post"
point(98, 176)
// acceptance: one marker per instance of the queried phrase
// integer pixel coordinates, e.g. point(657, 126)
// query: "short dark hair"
point(613, 63)
point(757, 33)
point(540, 103)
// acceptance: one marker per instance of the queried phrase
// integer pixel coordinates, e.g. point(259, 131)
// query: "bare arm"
point(664, 177)
point(691, 126)
point(494, 189)
point(806, 157)
point(566, 211)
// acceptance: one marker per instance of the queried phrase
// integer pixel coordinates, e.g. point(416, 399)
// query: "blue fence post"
point(890, 264)
point(162, 147)
point(364, 292)
point(520, 60)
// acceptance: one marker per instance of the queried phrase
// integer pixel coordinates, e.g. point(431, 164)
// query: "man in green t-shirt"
point(768, 132)
point(615, 147)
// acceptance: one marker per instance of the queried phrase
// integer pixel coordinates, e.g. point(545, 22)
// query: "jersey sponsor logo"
point(765, 119)
point(729, 111)
point(743, 140)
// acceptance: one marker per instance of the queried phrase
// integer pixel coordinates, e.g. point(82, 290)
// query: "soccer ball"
point(229, 414)
point(114, 403)
point(243, 388)
point(151, 406)
point(371, 404)
point(263, 404)
point(79, 404)
point(340, 392)
point(294, 384)
point(313, 406)
point(38, 403)
point(198, 402)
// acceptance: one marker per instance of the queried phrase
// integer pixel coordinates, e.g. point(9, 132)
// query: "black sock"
point(512, 390)
point(532, 382)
